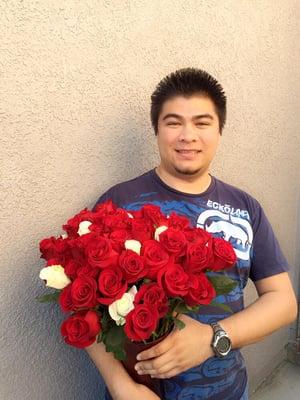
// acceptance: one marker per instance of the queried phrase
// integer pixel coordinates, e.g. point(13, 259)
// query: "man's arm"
point(184, 349)
point(275, 308)
point(119, 383)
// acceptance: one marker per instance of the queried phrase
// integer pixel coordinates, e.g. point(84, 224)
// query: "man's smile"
point(187, 154)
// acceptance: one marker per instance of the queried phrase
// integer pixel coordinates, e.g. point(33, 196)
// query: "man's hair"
point(188, 82)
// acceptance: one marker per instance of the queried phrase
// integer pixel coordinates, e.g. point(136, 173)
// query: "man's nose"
point(188, 133)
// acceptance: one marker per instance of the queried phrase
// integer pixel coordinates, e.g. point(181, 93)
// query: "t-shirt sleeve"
point(267, 256)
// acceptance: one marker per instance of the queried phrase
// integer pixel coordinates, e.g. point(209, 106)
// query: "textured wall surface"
point(75, 82)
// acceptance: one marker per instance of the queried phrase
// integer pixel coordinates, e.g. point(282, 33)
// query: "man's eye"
point(201, 124)
point(173, 123)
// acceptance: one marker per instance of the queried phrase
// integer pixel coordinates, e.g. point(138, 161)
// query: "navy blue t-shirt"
point(232, 214)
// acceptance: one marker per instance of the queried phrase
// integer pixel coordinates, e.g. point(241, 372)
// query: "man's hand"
point(180, 351)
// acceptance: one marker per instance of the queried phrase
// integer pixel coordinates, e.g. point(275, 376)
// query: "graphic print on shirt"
point(235, 230)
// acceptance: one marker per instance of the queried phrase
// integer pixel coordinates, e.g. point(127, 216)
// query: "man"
point(188, 113)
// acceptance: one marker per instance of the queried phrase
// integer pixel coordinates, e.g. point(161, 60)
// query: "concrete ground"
point(282, 384)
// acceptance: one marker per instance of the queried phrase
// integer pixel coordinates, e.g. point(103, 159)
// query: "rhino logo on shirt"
point(235, 230)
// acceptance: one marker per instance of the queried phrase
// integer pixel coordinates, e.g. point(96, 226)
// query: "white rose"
point(158, 231)
point(55, 276)
point(120, 308)
point(84, 228)
point(133, 245)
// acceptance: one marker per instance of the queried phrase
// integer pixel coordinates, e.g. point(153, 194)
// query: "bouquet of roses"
point(126, 276)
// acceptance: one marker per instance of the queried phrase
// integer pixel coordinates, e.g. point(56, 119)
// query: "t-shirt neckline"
point(171, 189)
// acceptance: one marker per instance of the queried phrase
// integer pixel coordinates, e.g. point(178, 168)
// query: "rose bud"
point(120, 308)
point(158, 231)
point(84, 228)
point(133, 245)
point(55, 276)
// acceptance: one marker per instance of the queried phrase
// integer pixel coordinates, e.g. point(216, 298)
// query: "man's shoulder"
point(232, 188)
point(234, 195)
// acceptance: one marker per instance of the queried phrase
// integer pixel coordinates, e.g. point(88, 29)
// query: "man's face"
point(188, 135)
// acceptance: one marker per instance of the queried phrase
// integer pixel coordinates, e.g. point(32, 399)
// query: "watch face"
point(223, 345)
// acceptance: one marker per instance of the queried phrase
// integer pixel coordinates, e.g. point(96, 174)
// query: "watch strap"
point(216, 327)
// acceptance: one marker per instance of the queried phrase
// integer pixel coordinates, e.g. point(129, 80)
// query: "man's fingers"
point(155, 351)
point(164, 369)
point(156, 365)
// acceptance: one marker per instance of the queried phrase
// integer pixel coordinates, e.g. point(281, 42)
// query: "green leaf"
point(183, 308)
point(114, 340)
point(105, 319)
point(120, 354)
point(109, 348)
point(115, 337)
point(222, 306)
point(180, 325)
point(47, 298)
point(222, 284)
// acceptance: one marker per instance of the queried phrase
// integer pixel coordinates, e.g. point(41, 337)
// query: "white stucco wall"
point(75, 82)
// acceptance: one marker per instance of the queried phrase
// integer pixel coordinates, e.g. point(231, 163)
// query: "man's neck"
point(186, 183)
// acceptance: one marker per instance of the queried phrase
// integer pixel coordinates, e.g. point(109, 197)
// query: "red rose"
point(54, 248)
point(118, 220)
point(141, 322)
point(174, 280)
point(154, 296)
point(99, 212)
point(197, 235)
point(155, 257)
point(118, 238)
point(77, 250)
point(153, 214)
point(83, 292)
point(53, 261)
point(88, 270)
point(80, 329)
point(132, 265)
point(102, 209)
point(72, 268)
point(65, 299)
point(178, 222)
point(201, 291)
point(199, 256)
point(100, 253)
point(71, 227)
point(224, 255)
point(95, 228)
point(173, 241)
point(111, 285)
point(141, 229)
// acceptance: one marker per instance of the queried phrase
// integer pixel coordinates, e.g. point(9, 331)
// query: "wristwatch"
point(221, 343)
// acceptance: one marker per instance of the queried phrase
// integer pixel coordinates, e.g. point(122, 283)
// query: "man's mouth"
point(187, 152)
